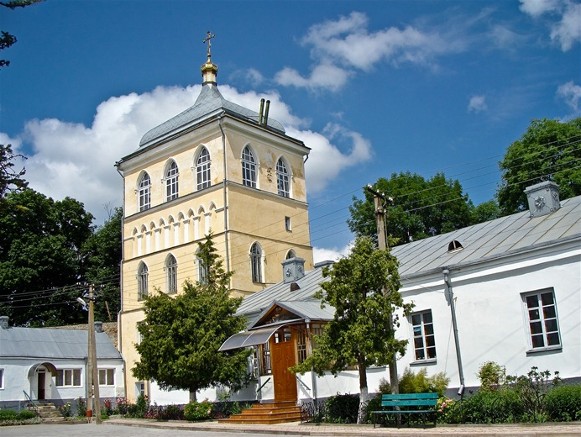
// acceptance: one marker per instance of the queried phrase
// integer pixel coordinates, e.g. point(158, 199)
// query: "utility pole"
point(378, 200)
point(93, 399)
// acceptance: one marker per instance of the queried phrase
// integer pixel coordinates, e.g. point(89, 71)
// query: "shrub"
point(195, 411)
point(563, 403)
point(491, 375)
point(25, 414)
point(532, 389)
point(485, 406)
point(419, 382)
point(81, 407)
point(342, 408)
point(121, 405)
point(7, 415)
point(165, 412)
point(66, 409)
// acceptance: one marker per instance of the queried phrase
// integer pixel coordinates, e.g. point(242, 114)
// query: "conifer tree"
point(181, 335)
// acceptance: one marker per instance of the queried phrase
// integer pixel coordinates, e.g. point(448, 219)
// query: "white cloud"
point(331, 254)
point(566, 30)
point(71, 159)
point(477, 104)
point(571, 93)
point(325, 76)
point(341, 47)
point(536, 8)
point(326, 160)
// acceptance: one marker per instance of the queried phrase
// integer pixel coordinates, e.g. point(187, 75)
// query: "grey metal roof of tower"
point(209, 103)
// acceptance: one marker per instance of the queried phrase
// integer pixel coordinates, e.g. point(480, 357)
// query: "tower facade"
point(215, 168)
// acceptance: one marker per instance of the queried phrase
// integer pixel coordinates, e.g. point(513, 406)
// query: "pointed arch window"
point(202, 271)
point(282, 179)
point(291, 254)
point(256, 262)
point(203, 169)
point(171, 267)
point(144, 192)
point(142, 280)
point(171, 182)
point(248, 168)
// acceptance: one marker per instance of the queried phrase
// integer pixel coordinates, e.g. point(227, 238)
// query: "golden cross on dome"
point(208, 39)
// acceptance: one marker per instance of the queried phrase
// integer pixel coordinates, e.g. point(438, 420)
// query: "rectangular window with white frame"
point(1, 379)
point(423, 332)
point(106, 376)
point(68, 378)
point(542, 320)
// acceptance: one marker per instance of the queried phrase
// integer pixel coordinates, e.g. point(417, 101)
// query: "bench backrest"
point(409, 399)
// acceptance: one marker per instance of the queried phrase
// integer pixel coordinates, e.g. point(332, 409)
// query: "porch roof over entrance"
point(249, 338)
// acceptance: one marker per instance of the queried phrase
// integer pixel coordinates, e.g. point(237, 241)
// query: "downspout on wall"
point(225, 188)
point(120, 312)
point(450, 298)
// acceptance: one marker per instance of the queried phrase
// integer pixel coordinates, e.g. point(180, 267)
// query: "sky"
point(372, 87)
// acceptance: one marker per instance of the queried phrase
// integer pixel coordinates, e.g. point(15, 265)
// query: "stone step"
point(281, 412)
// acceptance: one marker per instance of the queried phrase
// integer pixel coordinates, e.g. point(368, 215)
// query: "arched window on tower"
point(203, 169)
point(290, 254)
point(256, 262)
point(144, 192)
point(282, 179)
point(171, 182)
point(202, 270)
point(171, 268)
point(142, 279)
point(248, 168)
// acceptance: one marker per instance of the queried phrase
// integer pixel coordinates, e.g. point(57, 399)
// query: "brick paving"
point(300, 429)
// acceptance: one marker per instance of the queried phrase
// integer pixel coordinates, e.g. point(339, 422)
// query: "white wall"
point(492, 322)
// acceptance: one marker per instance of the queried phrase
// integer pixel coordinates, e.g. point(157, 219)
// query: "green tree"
point(40, 258)
point(420, 208)
point(181, 336)
point(6, 38)
point(10, 178)
point(549, 149)
point(102, 264)
point(363, 289)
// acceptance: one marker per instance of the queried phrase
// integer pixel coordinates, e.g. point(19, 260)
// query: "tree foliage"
point(363, 289)
point(11, 179)
point(6, 38)
point(41, 258)
point(181, 336)
point(102, 265)
point(548, 150)
point(420, 208)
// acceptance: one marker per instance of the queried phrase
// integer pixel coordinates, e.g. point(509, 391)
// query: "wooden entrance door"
point(283, 356)
point(41, 385)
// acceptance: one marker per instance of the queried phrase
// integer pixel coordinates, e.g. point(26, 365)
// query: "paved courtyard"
point(145, 428)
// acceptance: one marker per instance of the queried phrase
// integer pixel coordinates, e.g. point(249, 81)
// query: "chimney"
point(98, 327)
point(293, 269)
point(3, 322)
point(543, 198)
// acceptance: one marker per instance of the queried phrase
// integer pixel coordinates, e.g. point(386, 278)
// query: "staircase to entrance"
point(268, 413)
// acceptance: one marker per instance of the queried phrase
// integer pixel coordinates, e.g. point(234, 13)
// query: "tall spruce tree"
point(181, 336)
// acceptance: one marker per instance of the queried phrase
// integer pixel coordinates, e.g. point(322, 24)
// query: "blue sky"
point(373, 87)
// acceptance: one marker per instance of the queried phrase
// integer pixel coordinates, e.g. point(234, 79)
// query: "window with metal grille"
point(144, 192)
point(248, 168)
point(203, 169)
point(171, 182)
point(543, 324)
point(424, 340)
point(282, 179)
point(302, 345)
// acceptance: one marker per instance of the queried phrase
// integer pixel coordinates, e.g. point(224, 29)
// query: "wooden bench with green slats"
point(407, 403)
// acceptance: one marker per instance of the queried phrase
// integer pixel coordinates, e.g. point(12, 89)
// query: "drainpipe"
point(450, 298)
point(225, 182)
point(120, 312)
point(313, 376)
